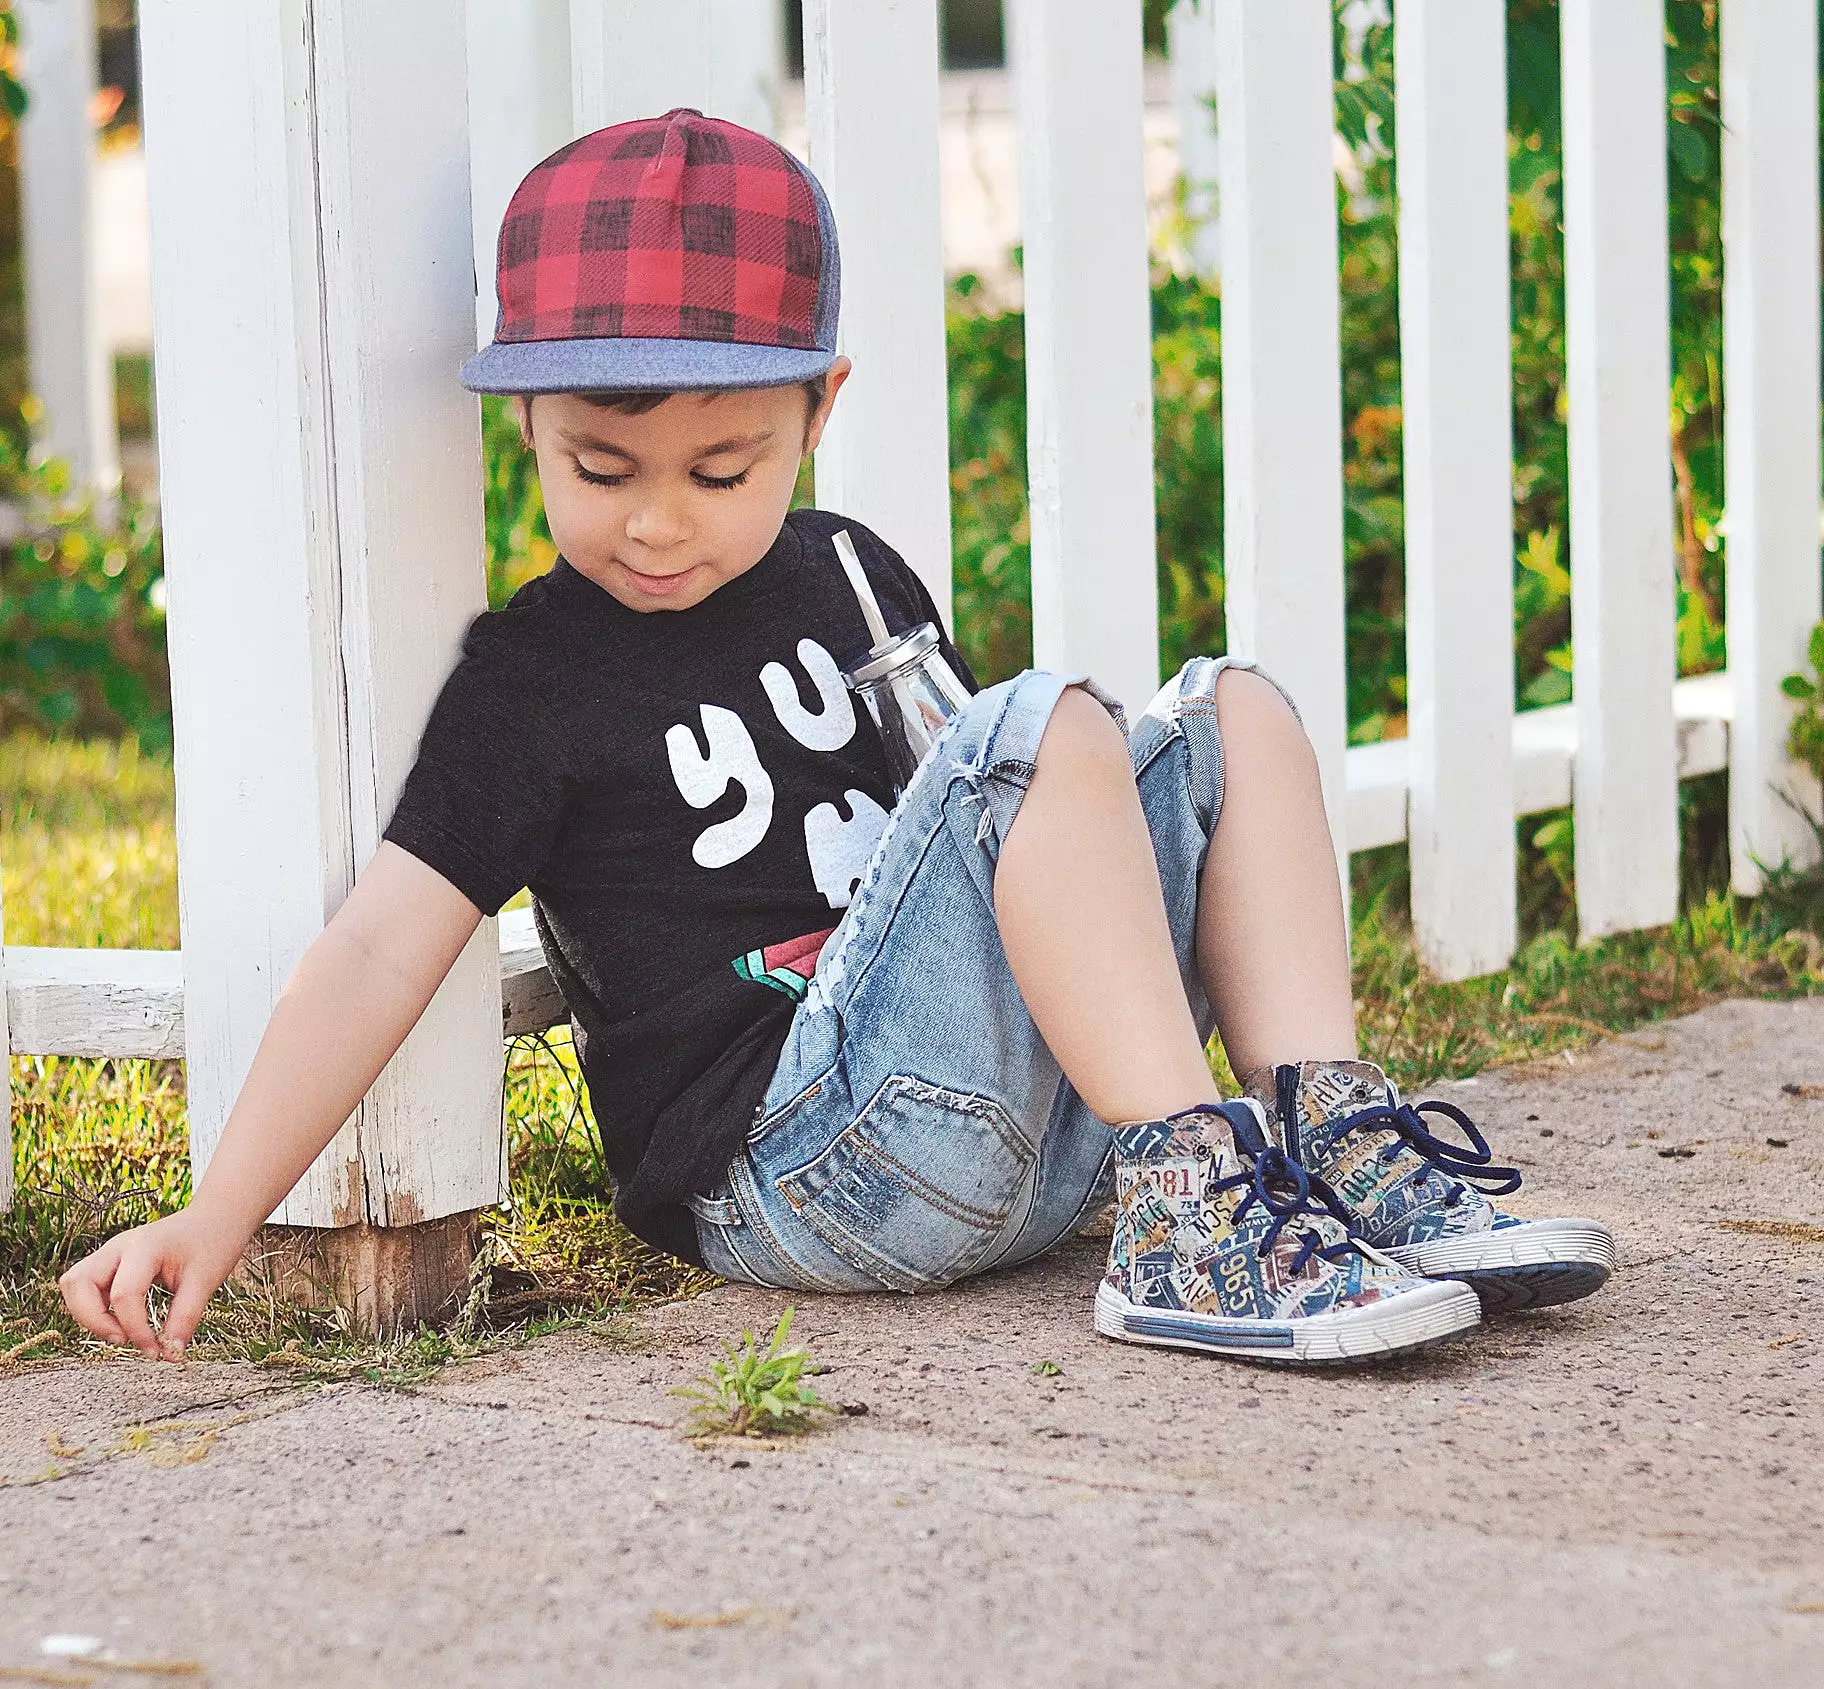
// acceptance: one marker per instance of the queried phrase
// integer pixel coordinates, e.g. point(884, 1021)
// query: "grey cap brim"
point(629, 365)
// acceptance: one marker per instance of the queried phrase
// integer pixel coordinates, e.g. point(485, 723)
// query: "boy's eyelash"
point(718, 483)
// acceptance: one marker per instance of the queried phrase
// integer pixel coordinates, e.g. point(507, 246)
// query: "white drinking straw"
point(870, 606)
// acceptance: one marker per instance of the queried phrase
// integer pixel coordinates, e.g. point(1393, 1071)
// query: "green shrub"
point(82, 617)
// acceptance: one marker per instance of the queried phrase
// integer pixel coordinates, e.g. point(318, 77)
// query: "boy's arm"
point(355, 994)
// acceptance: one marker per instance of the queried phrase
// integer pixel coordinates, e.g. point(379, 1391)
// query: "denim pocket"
point(918, 1188)
point(787, 1111)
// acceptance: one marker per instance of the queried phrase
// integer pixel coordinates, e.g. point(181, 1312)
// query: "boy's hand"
point(106, 1292)
point(350, 1002)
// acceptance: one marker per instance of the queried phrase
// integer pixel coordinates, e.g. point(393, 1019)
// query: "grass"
point(89, 857)
point(88, 844)
point(1558, 994)
point(756, 1391)
point(87, 850)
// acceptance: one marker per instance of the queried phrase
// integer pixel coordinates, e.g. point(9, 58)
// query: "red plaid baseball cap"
point(674, 252)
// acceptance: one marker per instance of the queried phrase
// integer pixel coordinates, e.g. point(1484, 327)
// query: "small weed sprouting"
point(754, 1391)
point(1046, 1369)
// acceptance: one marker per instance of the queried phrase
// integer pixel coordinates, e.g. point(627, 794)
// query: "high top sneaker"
point(1423, 1199)
point(1224, 1244)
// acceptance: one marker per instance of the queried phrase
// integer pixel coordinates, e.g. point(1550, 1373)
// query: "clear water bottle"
point(910, 691)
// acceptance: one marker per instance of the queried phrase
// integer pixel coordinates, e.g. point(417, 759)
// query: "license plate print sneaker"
point(1423, 1199)
point(1225, 1245)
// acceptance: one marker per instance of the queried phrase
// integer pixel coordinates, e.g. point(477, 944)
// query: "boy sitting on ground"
point(835, 1041)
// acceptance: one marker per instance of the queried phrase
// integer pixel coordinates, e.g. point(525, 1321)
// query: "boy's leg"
point(917, 1124)
point(1082, 917)
point(1014, 923)
point(1221, 1243)
point(1273, 957)
point(1078, 898)
point(1272, 936)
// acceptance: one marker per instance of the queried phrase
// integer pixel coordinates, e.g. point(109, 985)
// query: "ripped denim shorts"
point(917, 1129)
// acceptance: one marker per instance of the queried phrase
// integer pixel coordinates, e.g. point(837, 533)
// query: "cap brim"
point(630, 365)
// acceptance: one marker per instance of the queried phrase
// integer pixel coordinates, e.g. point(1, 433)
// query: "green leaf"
point(1551, 687)
point(1797, 686)
point(1690, 151)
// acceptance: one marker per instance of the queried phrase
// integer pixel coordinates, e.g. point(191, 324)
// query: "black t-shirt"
point(692, 797)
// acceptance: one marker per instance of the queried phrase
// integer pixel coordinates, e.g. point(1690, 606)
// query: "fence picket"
point(1456, 386)
point(639, 58)
point(871, 115)
point(1281, 364)
point(1617, 311)
point(70, 369)
point(519, 112)
point(1078, 81)
point(1770, 420)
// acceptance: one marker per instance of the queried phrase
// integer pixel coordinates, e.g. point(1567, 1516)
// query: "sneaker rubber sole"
point(1393, 1326)
point(1537, 1265)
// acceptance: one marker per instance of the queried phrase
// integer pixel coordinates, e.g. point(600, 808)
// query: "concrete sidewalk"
point(1629, 1491)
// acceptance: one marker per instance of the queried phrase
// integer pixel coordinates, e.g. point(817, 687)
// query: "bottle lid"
point(898, 656)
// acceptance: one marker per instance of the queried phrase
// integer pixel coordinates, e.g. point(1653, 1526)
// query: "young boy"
point(836, 1043)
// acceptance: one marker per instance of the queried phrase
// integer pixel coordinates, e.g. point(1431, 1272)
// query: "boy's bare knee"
point(1082, 730)
point(1251, 710)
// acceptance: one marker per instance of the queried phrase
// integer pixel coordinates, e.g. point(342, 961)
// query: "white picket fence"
point(313, 255)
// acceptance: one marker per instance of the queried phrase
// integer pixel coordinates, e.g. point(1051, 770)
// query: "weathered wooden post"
point(68, 364)
point(313, 289)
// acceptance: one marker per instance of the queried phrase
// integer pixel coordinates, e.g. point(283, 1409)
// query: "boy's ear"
point(832, 385)
point(522, 410)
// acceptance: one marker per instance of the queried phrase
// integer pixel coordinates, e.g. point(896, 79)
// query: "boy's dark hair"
point(638, 401)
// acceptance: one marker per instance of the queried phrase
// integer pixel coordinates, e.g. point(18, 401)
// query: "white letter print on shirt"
point(839, 850)
point(834, 726)
point(703, 779)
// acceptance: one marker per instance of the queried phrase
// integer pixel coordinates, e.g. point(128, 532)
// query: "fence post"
point(1770, 419)
point(1617, 322)
point(871, 120)
point(638, 58)
point(1191, 41)
point(312, 275)
point(1455, 376)
point(69, 366)
point(1089, 368)
point(1282, 422)
point(519, 113)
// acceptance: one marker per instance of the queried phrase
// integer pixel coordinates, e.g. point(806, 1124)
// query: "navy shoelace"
point(1473, 1164)
point(1288, 1192)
